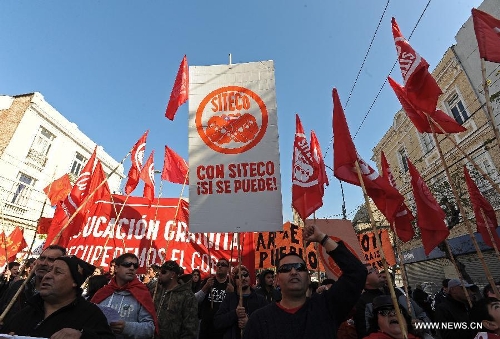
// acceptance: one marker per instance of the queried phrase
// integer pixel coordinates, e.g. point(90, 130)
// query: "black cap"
point(80, 270)
point(382, 301)
point(171, 265)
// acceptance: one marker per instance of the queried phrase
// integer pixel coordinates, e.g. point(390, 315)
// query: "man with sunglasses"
point(43, 265)
point(233, 317)
point(175, 304)
point(130, 298)
point(318, 317)
point(211, 295)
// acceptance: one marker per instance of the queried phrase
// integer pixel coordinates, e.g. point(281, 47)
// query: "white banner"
point(234, 168)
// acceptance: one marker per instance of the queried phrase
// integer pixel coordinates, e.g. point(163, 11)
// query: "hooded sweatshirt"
point(177, 311)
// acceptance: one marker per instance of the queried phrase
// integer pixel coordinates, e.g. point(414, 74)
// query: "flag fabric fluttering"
point(43, 225)
point(421, 88)
point(180, 91)
point(479, 203)
point(317, 157)
point(148, 176)
point(431, 216)
point(307, 195)
point(403, 216)
point(487, 29)
point(101, 193)
point(11, 245)
point(58, 190)
point(386, 198)
point(419, 118)
point(175, 168)
point(137, 156)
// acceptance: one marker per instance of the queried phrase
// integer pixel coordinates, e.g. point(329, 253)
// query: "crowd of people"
point(67, 297)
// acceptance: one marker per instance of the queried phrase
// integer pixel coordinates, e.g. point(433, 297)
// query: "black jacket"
point(226, 318)
point(81, 315)
point(451, 310)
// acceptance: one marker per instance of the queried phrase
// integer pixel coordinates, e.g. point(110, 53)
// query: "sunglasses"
point(299, 267)
point(387, 312)
point(222, 264)
point(243, 275)
point(129, 264)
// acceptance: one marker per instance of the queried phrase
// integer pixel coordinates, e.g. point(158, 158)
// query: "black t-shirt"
point(210, 306)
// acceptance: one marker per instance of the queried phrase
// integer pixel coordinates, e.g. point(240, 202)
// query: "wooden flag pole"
point(453, 261)
point(399, 315)
point(479, 169)
point(316, 247)
point(462, 211)
point(397, 243)
point(19, 290)
point(491, 235)
point(154, 221)
point(240, 287)
point(489, 109)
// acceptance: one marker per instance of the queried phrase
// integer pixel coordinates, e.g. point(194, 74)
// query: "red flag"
point(431, 216)
point(101, 193)
point(180, 92)
point(419, 118)
point(487, 30)
point(307, 195)
point(14, 243)
point(403, 217)
point(58, 190)
point(54, 234)
point(421, 88)
point(479, 203)
point(43, 225)
point(175, 168)
point(148, 176)
point(317, 158)
point(136, 157)
point(385, 197)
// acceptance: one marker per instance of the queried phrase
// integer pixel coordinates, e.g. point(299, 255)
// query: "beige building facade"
point(38, 145)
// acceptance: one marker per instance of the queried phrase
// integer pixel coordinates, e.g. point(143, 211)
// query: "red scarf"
point(136, 288)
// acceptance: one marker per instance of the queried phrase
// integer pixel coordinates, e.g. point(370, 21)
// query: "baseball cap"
point(382, 301)
point(456, 282)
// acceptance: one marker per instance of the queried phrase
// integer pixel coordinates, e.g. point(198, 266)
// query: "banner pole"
point(399, 315)
point(462, 211)
point(397, 243)
point(491, 234)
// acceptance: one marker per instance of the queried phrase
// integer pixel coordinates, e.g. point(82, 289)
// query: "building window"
point(78, 164)
point(402, 159)
point(37, 154)
point(427, 142)
point(22, 189)
point(457, 109)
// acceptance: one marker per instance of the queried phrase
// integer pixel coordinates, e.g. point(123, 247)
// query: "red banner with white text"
point(155, 234)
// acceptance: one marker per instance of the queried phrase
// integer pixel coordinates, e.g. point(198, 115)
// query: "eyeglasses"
point(129, 264)
point(222, 264)
point(299, 267)
point(387, 312)
point(243, 275)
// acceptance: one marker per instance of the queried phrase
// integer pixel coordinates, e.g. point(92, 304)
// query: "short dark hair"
point(488, 289)
point(327, 281)
point(223, 259)
point(121, 259)
point(445, 282)
point(56, 247)
point(479, 311)
point(289, 254)
point(13, 264)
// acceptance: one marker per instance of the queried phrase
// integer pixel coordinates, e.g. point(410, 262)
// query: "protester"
point(233, 316)
point(266, 286)
point(373, 288)
point(59, 310)
point(441, 295)
point(318, 317)
point(9, 276)
point(385, 325)
point(488, 291)
point(43, 265)
point(95, 283)
point(455, 309)
point(211, 295)
point(29, 264)
point(130, 298)
point(423, 300)
point(487, 312)
point(151, 277)
point(195, 280)
point(175, 304)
